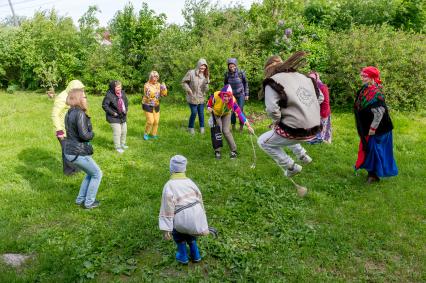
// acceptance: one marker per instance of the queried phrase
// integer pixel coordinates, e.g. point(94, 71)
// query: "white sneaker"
point(123, 146)
point(120, 150)
point(191, 131)
point(202, 131)
point(290, 172)
point(305, 159)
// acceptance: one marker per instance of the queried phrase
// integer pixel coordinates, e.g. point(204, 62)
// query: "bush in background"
point(400, 56)
point(49, 50)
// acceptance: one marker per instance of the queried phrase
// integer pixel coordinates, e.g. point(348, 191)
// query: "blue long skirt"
point(379, 158)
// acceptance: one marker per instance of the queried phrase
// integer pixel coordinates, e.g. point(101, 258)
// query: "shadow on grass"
point(42, 169)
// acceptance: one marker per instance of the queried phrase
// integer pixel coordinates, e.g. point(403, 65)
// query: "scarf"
point(368, 95)
point(373, 73)
point(121, 106)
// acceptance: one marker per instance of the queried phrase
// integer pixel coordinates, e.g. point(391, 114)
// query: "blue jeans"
point(89, 186)
point(196, 108)
point(240, 101)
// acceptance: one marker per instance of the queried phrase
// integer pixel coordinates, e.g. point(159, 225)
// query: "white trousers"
point(273, 144)
point(119, 134)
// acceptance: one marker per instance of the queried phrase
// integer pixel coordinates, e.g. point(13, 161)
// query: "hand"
point(246, 98)
point(251, 130)
point(371, 132)
point(115, 114)
point(209, 109)
point(167, 235)
point(60, 134)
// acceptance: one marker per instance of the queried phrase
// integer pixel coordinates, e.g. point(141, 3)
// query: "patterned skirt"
point(325, 134)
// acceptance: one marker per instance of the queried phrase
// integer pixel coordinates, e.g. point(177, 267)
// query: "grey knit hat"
point(178, 164)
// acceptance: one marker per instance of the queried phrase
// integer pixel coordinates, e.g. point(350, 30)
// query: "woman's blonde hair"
point(153, 74)
point(76, 98)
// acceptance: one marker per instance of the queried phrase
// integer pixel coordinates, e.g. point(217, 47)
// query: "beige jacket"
point(195, 84)
point(60, 107)
point(182, 207)
point(303, 107)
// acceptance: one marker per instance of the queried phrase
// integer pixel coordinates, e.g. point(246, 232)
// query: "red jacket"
point(325, 105)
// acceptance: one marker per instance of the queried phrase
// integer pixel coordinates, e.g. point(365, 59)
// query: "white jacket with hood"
point(60, 108)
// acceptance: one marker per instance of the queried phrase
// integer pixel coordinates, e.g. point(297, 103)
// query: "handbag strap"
point(214, 119)
point(186, 206)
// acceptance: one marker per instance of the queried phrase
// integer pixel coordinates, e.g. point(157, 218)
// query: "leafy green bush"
point(401, 58)
point(12, 89)
point(49, 50)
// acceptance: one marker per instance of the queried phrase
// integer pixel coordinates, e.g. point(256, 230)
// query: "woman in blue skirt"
point(374, 127)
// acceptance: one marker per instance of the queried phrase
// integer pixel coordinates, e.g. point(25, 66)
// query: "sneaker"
point(295, 169)
point(123, 146)
point(233, 154)
point(202, 131)
point(305, 159)
point(119, 150)
point(154, 137)
point(146, 137)
point(217, 155)
point(93, 205)
point(191, 131)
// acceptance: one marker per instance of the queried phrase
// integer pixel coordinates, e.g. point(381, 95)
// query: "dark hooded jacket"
point(237, 80)
point(110, 105)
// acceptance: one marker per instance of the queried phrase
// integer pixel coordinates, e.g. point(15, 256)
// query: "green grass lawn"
point(342, 231)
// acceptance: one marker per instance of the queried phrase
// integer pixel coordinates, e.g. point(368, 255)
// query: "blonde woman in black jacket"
point(78, 149)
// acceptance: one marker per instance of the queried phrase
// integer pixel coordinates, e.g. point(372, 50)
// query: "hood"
point(112, 85)
point(74, 84)
point(201, 62)
point(232, 61)
point(227, 89)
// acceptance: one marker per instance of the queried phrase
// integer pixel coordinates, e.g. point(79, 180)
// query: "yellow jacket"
point(60, 107)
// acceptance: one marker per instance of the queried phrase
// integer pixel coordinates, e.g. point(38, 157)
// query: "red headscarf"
point(373, 73)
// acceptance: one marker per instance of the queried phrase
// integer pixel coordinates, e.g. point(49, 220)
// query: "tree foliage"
point(48, 50)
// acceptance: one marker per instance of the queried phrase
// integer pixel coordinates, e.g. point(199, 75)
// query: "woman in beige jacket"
point(195, 83)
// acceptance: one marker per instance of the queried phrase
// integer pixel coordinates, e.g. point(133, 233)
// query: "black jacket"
point(364, 118)
point(110, 105)
point(79, 133)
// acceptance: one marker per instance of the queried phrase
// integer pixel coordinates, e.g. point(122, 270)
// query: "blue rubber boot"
point(194, 252)
point(181, 254)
